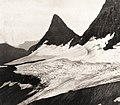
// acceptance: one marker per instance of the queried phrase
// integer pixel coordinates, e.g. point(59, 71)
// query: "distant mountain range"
point(27, 44)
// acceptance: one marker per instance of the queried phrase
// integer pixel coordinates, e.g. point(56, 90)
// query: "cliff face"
point(107, 22)
point(57, 34)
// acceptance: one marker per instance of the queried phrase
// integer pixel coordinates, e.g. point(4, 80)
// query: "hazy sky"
point(22, 20)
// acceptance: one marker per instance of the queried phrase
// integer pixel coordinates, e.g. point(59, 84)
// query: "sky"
point(28, 20)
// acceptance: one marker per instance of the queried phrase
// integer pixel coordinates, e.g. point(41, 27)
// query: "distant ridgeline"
point(9, 53)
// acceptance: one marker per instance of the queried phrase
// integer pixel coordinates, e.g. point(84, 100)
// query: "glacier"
point(63, 75)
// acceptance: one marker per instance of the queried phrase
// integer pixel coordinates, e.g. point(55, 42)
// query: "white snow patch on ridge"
point(117, 99)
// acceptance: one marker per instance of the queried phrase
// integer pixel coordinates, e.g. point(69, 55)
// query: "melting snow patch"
point(12, 83)
point(117, 99)
point(24, 86)
point(6, 83)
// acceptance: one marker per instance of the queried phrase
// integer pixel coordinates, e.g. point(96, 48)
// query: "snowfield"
point(63, 75)
point(91, 52)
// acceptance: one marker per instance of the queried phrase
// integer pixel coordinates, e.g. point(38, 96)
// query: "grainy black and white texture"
point(63, 67)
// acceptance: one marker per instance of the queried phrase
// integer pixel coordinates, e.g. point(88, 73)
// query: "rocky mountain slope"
point(69, 75)
point(107, 94)
point(107, 22)
point(102, 34)
point(16, 87)
point(58, 34)
point(9, 53)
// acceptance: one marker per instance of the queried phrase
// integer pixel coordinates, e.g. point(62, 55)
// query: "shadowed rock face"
point(14, 94)
point(107, 22)
point(8, 74)
point(58, 34)
point(9, 53)
point(98, 95)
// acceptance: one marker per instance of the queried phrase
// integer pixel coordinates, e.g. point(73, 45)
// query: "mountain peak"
point(55, 16)
point(56, 23)
point(58, 34)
